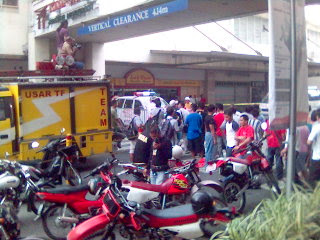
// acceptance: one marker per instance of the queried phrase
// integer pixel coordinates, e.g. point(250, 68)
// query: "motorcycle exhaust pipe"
point(68, 219)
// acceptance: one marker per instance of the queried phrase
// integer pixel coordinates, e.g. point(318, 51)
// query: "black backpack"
point(132, 131)
point(166, 129)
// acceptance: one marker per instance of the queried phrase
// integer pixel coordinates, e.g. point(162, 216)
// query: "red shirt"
point(219, 118)
point(247, 132)
point(275, 135)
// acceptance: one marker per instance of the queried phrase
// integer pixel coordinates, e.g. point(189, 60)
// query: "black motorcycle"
point(59, 168)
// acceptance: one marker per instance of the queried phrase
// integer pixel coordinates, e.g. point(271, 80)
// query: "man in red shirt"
point(219, 118)
point(244, 135)
point(274, 141)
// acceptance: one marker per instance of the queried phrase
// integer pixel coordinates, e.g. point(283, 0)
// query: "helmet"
point(177, 152)
point(202, 202)
point(94, 185)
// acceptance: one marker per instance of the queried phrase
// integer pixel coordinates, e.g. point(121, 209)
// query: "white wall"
point(14, 28)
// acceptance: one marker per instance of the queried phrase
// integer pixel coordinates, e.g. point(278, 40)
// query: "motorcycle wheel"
point(111, 236)
point(231, 189)
point(272, 182)
point(72, 176)
point(53, 226)
point(35, 202)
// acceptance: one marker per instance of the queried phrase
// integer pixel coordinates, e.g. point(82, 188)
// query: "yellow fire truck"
point(37, 111)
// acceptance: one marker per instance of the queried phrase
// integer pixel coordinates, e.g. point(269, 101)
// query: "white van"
point(127, 104)
point(314, 101)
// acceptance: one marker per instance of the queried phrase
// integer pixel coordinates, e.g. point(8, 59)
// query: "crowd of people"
point(210, 131)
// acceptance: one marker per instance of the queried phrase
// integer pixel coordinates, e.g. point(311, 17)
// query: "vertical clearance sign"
point(134, 17)
point(280, 62)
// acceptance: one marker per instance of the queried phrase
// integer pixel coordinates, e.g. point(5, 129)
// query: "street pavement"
point(30, 227)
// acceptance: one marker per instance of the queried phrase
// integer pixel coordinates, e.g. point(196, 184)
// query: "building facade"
point(226, 61)
point(14, 16)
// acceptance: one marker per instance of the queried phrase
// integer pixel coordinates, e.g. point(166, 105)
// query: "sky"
point(313, 14)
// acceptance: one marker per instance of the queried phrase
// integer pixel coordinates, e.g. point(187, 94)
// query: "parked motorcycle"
point(11, 187)
point(59, 168)
point(186, 221)
point(69, 207)
point(182, 182)
point(51, 148)
point(240, 174)
point(65, 207)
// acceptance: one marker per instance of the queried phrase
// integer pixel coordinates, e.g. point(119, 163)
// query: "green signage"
point(72, 15)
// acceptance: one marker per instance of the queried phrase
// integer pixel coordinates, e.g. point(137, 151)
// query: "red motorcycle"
point(240, 174)
point(182, 182)
point(186, 221)
point(69, 205)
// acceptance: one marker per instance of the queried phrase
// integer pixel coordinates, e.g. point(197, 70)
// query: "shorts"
point(196, 145)
point(301, 161)
point(132, 146)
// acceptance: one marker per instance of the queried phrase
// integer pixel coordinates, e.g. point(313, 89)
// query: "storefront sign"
point(177, 83)
point(72, 15)
point(56, 7)
point(61, 4)
point(139, 76)
point(118, 81)
point(138, 16)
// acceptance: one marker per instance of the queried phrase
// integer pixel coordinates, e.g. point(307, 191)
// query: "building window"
point(251, 29)
point(10, 2)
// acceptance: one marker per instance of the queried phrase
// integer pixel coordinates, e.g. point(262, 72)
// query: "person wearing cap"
point(156, 109)
point(187, 104)
point(173, 103)
point(69, 49)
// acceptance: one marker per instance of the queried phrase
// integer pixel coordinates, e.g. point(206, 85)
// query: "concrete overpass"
point(184, 13)
point(94, 28)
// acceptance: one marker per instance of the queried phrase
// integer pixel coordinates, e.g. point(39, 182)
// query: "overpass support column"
point(94, 54)
point(211, 85)
point(38, 50)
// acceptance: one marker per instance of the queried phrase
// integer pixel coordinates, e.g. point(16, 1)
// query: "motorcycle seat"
point(67, 189)
point(243, 161)
point(163, 188)
point(173, 212)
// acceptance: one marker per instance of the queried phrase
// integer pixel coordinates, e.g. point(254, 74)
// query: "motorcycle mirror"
point(35, 145)
point(264, 126)
point(62, 130)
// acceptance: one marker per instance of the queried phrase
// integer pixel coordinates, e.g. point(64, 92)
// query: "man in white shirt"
point(314, 140)
point(231, 129)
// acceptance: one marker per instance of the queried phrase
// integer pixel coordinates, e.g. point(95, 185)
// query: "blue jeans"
point(221, 142)
point(158, 177)
point(179, 136)
point(78, 65)
point(210, 148)
point(275, 153)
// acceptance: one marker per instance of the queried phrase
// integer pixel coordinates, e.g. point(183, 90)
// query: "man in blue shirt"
point(194, 123)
